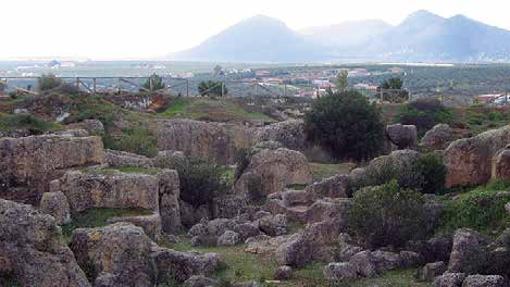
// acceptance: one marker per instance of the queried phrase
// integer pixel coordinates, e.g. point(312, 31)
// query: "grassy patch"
point(97, 217)
point(325, 170)
point(35, 125)
point(216, 110)
point(481, 209)
point(137, 140)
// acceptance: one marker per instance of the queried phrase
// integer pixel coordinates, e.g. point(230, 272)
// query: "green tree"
point(346, 125)
point(341, 81)
point(157, 83)
point(392, 90)
point(49, 82)
point(424, 114)
point(212, 88)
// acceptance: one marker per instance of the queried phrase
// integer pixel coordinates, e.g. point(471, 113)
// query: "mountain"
point(346, 34)
point(257, 39)
point(422, 36)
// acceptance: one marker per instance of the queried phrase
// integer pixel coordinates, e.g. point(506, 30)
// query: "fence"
point(190, 87)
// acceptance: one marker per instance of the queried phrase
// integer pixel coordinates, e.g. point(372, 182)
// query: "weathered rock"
point(229, 238)
point(213, 141)
point(507, 207)
point(169, 159)
point(297, 197)
point(484, 281)
point(438, 137)
point(169, 203)
point(247, 230)
point(277, 169)
point(371, 263)
point(110, 190)
point(32, 162)
point(501, 165)
point(116, 158)
point(449, 280)
point(337, 186)
point(191, 215)
point(72, 133)
point(273, 225)
point(200, 281)
point(56, 205)
point(180, 266)
point(92, 126)
point(330, 210)
point(469, 160)
point(119, 252)
point(403, 136)
point(469, 252)
point(32, 250)
point(151, 224)
point(433, 250)
point(340, 271)
point(432, 270)
point(283, 273)
point(290, 134)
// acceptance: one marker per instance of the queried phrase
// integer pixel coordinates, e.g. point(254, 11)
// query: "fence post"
point(187, 88)
point(222, 89)
point(284, 90)
point(119, 89)
point(151, 87)
point(78, 83)
point(95, 85)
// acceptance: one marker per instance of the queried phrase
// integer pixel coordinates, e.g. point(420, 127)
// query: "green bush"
point(431, 173)
point(346, 125)
point(482, 209)
point(212, 88)
point(393, 91)
point(48, 82)
point(157, 83)
point(387, 216)
point(34, 125)
point(200, 181)
point(424, 114)
point(136, 140)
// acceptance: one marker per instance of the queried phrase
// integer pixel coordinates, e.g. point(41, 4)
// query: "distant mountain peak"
point(422, 16)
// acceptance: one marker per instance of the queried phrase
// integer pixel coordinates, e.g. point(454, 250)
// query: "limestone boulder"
point(501, 165)
point(403, 136)
point(169, 203)
point(32, 250)
point(169, 159)
point(277, 169)
point(117, 253)
point(151, 224)
point(290, 134)
point(116, 158)
point(431, 270)
point(337, 186)
point(283, 273)
point(469, 160)
point(200, 281)
point(92, 126)
point(438, 137)
point(484, 281)
point(85, 190)
point(56, 205)
point(449, 280)
point(469, 253)
point(229, 238)
point(335, 272)
point(32, 162)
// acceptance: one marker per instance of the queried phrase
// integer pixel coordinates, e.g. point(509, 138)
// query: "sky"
point(144, 29)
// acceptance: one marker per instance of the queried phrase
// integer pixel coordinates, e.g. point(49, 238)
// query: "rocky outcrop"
point(337, 186)
point(449, 280)
point(469, 160)
point(403, 136)
point(92, 126)
point(118, 254)
point(85, 190)
point(218, 142)
point(32, 162)
point(169, 204)
point(32, 246)
point(169, 159)
point(283, 273)
point(276, 170)
point(116, 158)
point(431, 271)
point(56, 205)
point(484, 281)
point(290, 134)
point(469, 253)
point(151, 224)
point(501, 165)
point(438, 137)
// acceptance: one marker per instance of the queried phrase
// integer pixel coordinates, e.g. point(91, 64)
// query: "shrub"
point(424, 114)
point(431, 172)
point(48, 82)
point(212, 88)
point(387, 216)
point(34, 125)
point(200, 181)
point(392, 90)
point(157, 83)
point(346, 125)
point(482, 209)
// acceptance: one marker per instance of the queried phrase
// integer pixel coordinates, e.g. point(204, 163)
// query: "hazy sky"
point(114, 29)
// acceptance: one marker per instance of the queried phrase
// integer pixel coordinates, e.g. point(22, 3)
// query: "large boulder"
point(56, 205)
point(218, 142)
point(85, 190)
point(469, 253)
point(169, 204)
point(32, 246)
point(449, 280)
point(276, 169)
point(151, 224)
point(337, 186)
point(169, 159)
point(115, 158)
point(32, 162)
point(403, 136)
point(469, 160)
point(340, 271)
point(438, 137)
point(501, 165)
point(118, 253)
point(432, 270)
point(290, 134)
point(484, 281)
